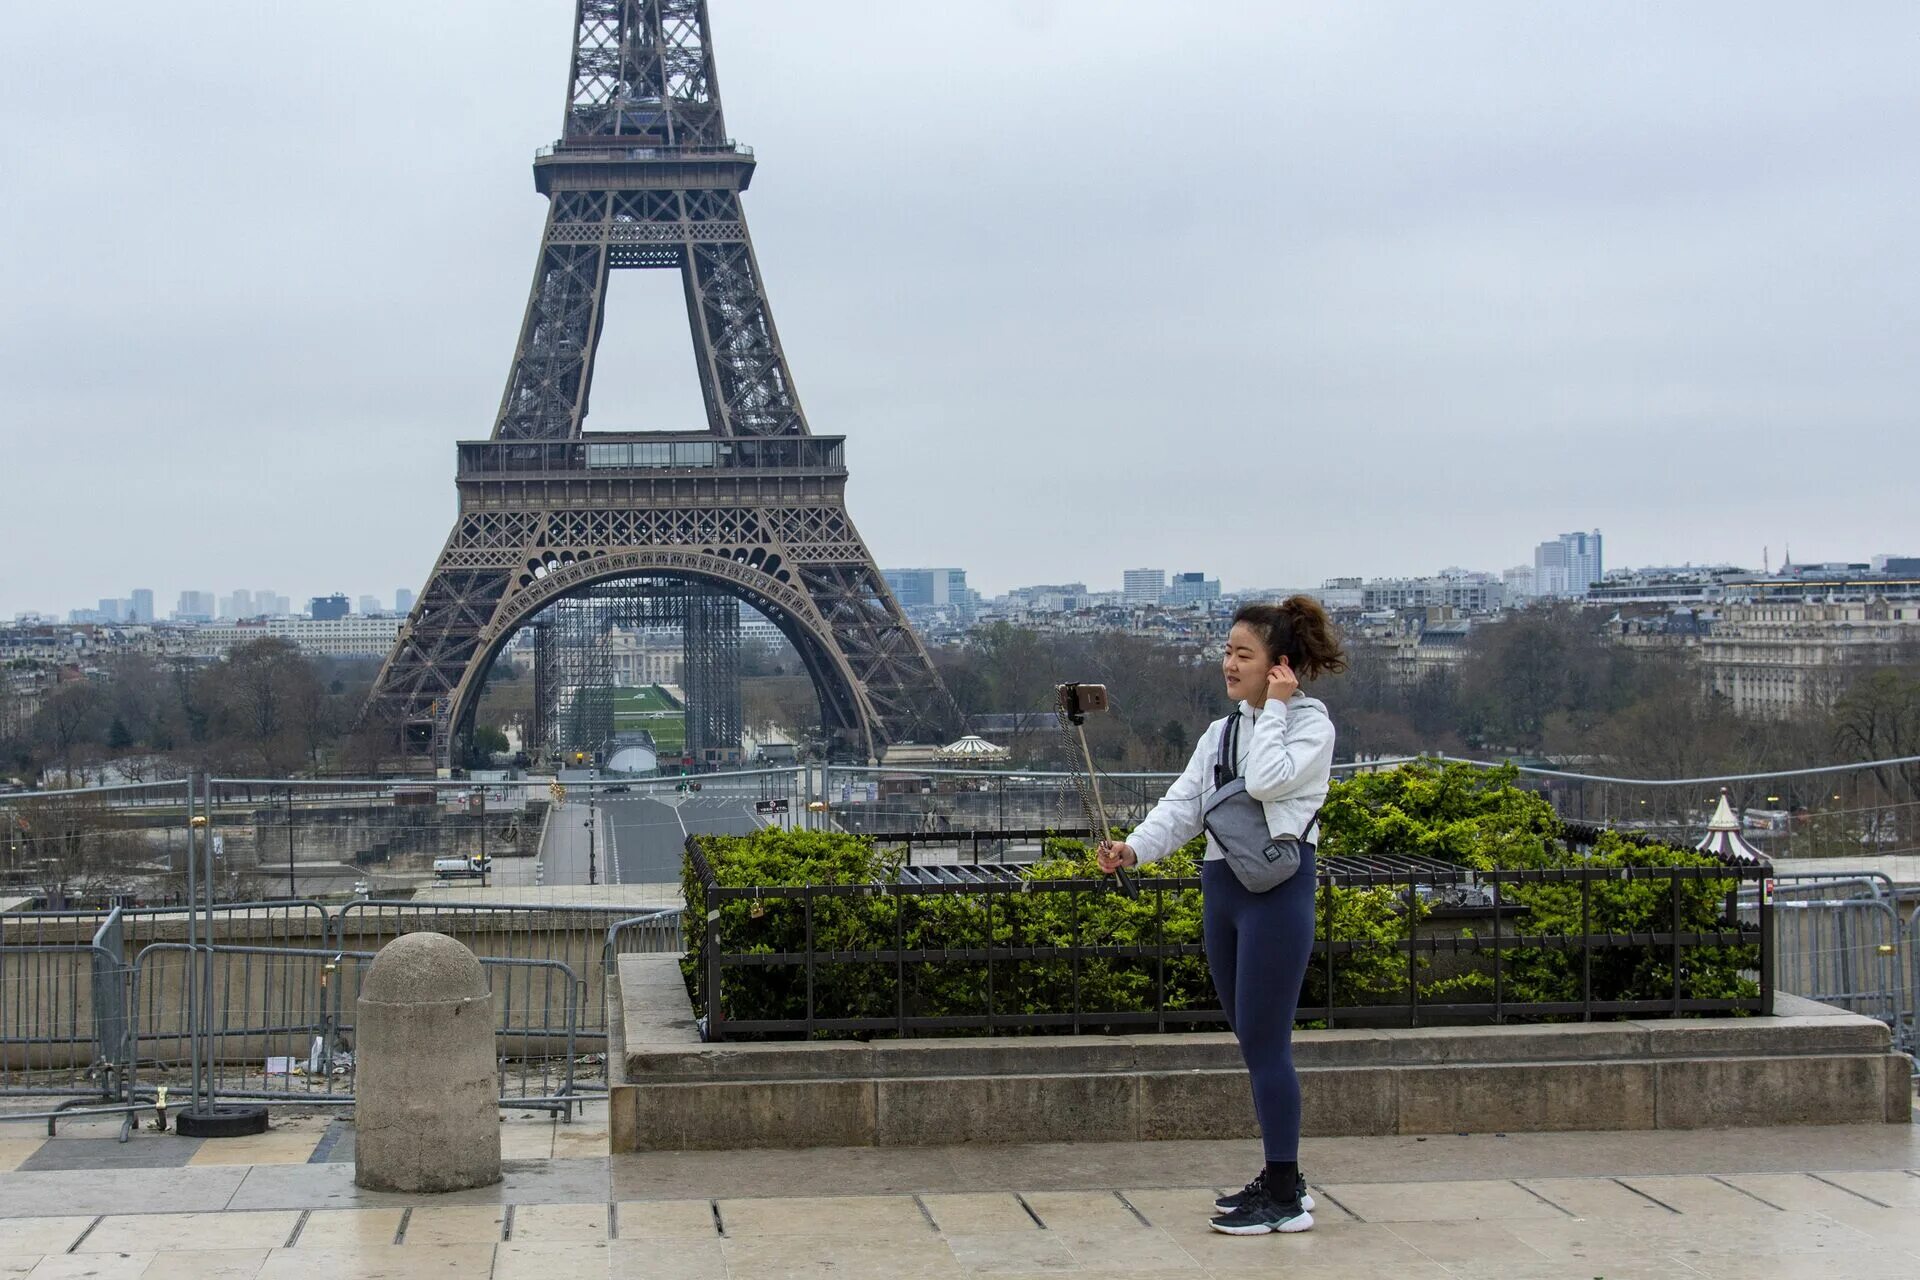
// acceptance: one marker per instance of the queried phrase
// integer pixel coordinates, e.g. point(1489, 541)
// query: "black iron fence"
point(1398, 942)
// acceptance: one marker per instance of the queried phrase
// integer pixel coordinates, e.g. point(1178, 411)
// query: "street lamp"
point(592, 870)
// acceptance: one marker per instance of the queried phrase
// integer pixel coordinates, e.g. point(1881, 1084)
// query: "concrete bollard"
point(426, 1099)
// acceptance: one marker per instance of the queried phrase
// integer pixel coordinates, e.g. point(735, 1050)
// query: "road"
point(637, 839)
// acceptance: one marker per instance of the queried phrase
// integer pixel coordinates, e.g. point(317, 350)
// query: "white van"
point(451, 868)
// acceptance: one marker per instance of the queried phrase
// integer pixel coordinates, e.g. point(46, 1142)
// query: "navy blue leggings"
point(1258, 945)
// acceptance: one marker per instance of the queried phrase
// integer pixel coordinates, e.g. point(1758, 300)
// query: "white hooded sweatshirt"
point(1286, 757)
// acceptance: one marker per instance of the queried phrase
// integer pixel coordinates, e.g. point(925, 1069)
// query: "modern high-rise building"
point(115, 610)
point(927, 587)
point(1143, 586)
point(328, 608)
point(403, 600)
point(1190, 589)
point(142, 607)
point(369, 606)
point(1568, 565)
point(196, 606)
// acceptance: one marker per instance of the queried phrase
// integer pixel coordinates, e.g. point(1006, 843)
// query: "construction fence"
point(257, 1000)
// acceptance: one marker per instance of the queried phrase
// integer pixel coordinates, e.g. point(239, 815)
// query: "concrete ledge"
point(1811, 1064)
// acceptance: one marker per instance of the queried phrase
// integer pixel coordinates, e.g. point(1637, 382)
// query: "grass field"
point(653, 709)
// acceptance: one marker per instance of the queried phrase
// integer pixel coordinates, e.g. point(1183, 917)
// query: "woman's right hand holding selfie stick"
point(1115, 854)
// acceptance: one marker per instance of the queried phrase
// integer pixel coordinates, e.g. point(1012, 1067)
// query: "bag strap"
point(1226, 767)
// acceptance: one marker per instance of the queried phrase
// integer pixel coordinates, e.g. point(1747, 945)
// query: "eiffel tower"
point(753, 505)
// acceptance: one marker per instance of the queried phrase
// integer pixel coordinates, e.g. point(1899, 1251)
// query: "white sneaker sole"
point(1301, 1222)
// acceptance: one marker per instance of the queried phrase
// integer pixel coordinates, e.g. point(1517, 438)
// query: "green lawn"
point(652, 709)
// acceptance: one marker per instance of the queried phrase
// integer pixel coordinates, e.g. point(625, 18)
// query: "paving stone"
point(1184, 1207)
point(29, 1195)
point(579, 1141)
point(1801, 1193)
point(560, 1224)
point(1596, 1198)
point(40, 1235)
point(1901, 1190)
point(665, 1219)
point(206, 1264)
point(527, 1140)
point(831, 1258)
point(258, 1148)
point(979, 1212)
point(455, 1224)
point(156, 1151)
point(1139, 1249)
point(349, 1228)
point(93, 1266)
point(515, 1260)
point(1082, 1210)
point(867, 1217)
point(664, 1259)
point(1458, 1243)
point(132, 1233)
point(15, 1150)
point(381, 1262)
point(1440, 1201)
point(1000, 1251)
point(1700, 1196)
point(1356, 1245)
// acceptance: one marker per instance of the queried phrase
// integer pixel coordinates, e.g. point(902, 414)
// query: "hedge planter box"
point(1445, 896)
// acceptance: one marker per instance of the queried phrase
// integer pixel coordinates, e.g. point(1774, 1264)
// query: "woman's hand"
point(1115, 854)
point(1281, 682)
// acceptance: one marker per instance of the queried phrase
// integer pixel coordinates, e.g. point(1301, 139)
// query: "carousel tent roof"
point(1723, 838)
point(971, 748)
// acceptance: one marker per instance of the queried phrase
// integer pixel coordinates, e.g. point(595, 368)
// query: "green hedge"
point(1458, 814)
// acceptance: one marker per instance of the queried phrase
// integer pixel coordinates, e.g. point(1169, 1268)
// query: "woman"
point(1258, 944)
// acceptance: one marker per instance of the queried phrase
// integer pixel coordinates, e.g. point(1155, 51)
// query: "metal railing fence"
point(649, 933)
point(278, 1023)
point(1000, 954)
point(573, 935)
point(1853, 809)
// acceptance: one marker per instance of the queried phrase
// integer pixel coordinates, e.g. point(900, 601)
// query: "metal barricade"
point(572, 935)
point(1845, 952)
point(278, 1024)
point(62, 1010)
point(654, 932)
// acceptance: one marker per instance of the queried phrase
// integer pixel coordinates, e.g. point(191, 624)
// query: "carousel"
point(1724, 840)
point(971, 750)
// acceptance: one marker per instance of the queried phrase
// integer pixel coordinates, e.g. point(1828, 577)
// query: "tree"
point(267, 698)
point(487, 742)
point(72, 717)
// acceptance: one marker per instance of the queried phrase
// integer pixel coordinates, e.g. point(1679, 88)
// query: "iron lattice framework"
point(644, 176)
point(575, 673)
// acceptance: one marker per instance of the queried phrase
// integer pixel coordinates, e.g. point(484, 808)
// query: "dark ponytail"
point(1299, 630)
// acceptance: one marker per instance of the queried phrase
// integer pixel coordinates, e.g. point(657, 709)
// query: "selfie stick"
point(1075, 701)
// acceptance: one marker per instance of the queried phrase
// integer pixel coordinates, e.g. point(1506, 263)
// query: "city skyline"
point(402, 597)
point(1557, 268)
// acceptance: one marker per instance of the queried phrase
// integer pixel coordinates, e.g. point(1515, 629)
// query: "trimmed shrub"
point(1470, 817)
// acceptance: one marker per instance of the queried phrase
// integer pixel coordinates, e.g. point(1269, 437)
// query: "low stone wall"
point(1810, 1064)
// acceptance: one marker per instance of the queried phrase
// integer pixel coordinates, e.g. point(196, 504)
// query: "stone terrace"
point(1753, 1203)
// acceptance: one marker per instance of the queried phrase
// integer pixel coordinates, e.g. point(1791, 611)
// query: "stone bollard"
point(426, 1099)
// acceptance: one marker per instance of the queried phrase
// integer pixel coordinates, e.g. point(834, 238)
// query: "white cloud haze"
point(1071, 277)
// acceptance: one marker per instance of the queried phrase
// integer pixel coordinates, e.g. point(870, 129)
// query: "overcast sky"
point(1275, 291)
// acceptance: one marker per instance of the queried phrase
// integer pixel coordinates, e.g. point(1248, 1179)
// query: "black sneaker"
point(1260, 1213)
point(1228, 1203)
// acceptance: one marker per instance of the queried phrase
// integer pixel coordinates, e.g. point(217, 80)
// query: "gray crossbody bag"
point(1238, 824)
